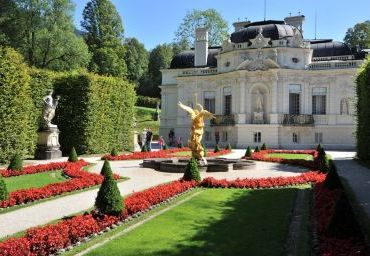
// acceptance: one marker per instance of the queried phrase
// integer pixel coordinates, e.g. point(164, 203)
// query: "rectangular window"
point(227, 101)
point(319, 101)
point(208, 136)
point(257, 137)
point(225, 136)
point(318, 137)
point(294, 99)
point(210, 101)
point(295, 137)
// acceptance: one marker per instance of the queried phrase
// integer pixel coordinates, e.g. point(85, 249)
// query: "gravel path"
point(140, 179)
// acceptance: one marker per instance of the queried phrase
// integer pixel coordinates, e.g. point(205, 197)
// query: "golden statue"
point(197, 115)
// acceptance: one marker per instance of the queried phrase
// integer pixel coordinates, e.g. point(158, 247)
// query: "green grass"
point(291, 156)
point(144, 119)
point(215, 222)
point(182, 153)
point(37, 180)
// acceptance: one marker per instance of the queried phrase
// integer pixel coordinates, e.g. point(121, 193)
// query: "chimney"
point(201, 47)
point(240, 25)
point(296, 21)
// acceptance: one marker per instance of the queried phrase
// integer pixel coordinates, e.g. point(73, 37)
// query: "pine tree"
point(3, 190)
point(73, 155)
point(114, 152)
point(248, 152)
point(16, 163)
point(263, 146)
point(109, 200)
point(192, 171)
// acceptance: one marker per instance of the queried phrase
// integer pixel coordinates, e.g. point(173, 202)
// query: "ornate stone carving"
point(260, 41)
point(48, 112)
point(297, 39)
point(258, 63)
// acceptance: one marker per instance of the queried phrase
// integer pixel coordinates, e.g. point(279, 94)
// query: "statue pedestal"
point(258, 118)
point(48, 146)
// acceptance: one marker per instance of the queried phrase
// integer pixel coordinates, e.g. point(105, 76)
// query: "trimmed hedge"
point(95, 113)
point(192, 171)
point(16, 164)
point(17, 115)
point(145, 101)
point(73, 156)
point(363, 111)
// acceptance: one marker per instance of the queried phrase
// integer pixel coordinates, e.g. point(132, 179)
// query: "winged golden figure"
point(197, 115)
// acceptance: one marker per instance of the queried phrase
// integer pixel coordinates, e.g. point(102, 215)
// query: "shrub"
point(144, 148)
point(145, 101)
point(192, 171)
point(114, 152)
point(17, 113)
point(106, 170)
point(217, 148)
point(319, 147)
point(257, 149)
point(3, 190)
point(323, 160)
point(263, 147)
point(73, 156)
point(16, 163)
point(332, 180)
point(363, 111)
point(228, 146)
point(109, 200)
point(248, 152)
point(204, 150)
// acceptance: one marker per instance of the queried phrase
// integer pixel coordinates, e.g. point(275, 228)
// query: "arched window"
point(344, 107)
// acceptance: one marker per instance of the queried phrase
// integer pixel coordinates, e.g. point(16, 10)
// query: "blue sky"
point(155, 22)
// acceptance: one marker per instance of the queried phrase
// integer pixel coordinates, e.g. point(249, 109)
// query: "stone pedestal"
point(258, 118)
point(48, 146)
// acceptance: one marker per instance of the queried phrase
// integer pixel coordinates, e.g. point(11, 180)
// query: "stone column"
point(242, 114)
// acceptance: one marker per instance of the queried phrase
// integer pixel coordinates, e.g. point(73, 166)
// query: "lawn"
point(291, 156)
point(144, 119)
point(182, 154)
point(215, 222)
point(33, 180)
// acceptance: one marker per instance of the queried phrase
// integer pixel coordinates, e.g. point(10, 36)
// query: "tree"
point(109, 199)
point(359, 35)
point(104, 36)
point(248, 152)
point(43, 31)
point(73, 156)
point(4, 194)
point(136, 58)
point(210, 18)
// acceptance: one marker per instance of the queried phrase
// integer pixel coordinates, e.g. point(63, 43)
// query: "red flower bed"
point(79, 180)
point(325, 202)
point(263, 156)
point(51, 238)
point(303, 178)
point(32, 169)
point(166, 153)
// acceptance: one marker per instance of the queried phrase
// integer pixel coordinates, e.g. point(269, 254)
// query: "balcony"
point(298, 120)
point(223, 120)
point(320, 65)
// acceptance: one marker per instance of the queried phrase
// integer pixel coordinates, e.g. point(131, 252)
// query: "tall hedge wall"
point(95, 113)
point(363, 111)
point(17, 116)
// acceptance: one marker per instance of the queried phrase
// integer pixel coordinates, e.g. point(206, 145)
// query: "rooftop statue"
point(197, 115)
point(49, 109)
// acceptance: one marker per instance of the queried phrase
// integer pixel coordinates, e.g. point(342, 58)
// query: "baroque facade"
point(266, 83)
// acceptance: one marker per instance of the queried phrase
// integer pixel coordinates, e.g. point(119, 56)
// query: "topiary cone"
point(114, 152)
point(73, 155)
point(109, 200)
point(217, 148)
point(263, 146)
point(228, 146)
point(16, 163)
point(4, 194)
point(192, 171)
point(257, 149)
point(248, 152)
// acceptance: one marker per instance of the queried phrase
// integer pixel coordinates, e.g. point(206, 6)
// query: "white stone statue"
point(259, 102)
point(49, 109)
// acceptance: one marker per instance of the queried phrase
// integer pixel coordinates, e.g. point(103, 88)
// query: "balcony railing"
point(334, 64)
point(298, 120)
point(199, 72)
point(223, 120)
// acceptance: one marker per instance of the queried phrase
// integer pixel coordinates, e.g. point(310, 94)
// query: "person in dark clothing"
point(149, 137)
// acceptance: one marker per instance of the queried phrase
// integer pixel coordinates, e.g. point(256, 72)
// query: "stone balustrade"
point(334, 64)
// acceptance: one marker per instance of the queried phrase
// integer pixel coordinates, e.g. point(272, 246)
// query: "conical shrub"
point(192, 171)
point(228, 146)
point(73, 155)
point(3, 190)
point(257, 149)
point(109, 200)
point(263, 147)
point(114, 152)
point(217, 148)
point(16, 163)
point(248, 152)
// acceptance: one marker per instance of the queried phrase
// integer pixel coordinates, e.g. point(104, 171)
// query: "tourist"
point(149, 137)
point(161, 142)
point(171, 137)
point(140, 140)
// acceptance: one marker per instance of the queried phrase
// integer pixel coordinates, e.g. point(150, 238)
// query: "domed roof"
point(326, 48)
point(273, 29)
point(185, 59)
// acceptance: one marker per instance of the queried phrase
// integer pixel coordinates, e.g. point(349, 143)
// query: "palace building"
point(266, 83)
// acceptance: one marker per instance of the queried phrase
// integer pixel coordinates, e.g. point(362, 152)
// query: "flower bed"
point(54, 237)
point(263, 156)
point(32, 169)
point(79, 180)
point(166, 153)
